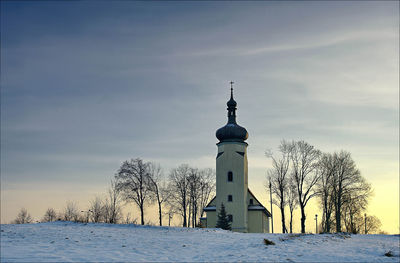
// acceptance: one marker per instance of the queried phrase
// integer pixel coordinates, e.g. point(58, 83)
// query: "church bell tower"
point(232, 170)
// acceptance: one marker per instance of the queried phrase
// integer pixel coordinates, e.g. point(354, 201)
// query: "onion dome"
point(232, 132)
point(231, 103)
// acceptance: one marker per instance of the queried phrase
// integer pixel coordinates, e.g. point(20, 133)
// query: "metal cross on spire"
point(231, 88)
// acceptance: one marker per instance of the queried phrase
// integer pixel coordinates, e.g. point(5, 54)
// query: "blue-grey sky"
point(87, 85)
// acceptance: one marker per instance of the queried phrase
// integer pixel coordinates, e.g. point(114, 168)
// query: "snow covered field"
point(65, 241)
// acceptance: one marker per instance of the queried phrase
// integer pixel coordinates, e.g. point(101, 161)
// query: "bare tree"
point(292, 202)
point(304, 158)
point(96, 209)
point(50, 215)
point(23, 217)
point(158, 187)
point(355, 201)
point(133, 181)
point(201, 185)
point(180, 189)
point(82, 218)
point(112, 206)
point(129, 220)
point(278, 176)
point(206, 188)
point(171, 210)
point(373, 225)
point(327, 167)
point(194, 180)
point(352, 219)
point(347, 184)
point(71, 212)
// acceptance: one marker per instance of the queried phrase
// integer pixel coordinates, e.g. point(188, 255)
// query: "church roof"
point(232, 132)
point(212, 207)
point(259, 206)
point(210, 204)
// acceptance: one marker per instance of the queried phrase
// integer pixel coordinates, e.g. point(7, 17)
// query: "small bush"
point(389, 253)
point(268, 242)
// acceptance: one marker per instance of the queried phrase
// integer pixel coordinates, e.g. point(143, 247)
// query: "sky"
point(85, 86)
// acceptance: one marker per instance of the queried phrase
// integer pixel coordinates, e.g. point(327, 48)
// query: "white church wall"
point(211, 219)
point(232, 161)
point(255, 221)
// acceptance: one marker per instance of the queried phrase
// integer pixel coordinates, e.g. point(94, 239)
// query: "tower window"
point(230, 176)
point(251, 201)
point(230, 218)
point(229, 198)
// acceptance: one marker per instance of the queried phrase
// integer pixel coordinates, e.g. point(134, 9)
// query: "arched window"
point(230, 176)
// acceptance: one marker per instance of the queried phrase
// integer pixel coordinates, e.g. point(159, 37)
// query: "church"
point(244, 211)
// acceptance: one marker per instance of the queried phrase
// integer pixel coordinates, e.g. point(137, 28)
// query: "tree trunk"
point(338, 217)
point(291, 222)
point(338, 208)
point(352, 228)
point(190, 214)
point(303, 219)
point(184, 214)
point(194, 214)
point(142, 214)
point(159, 212)
point(325, 213)
point(284, 230)
point(328, 222)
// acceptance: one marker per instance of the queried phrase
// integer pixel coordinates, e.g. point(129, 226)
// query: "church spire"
point(232, 132)
point(231, 107)
point(231, 89)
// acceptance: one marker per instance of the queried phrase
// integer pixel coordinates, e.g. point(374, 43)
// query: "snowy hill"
point(65, 241)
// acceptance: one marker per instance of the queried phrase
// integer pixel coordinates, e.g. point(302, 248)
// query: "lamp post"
point(270, 198)
point(316, 224)
point(365, 223)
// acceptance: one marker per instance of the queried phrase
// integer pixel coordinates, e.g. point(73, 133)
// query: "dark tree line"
point(23, 217)
point(343, 192)
point(301, 172)
point(293, 176)
point(298, 174)
point(191, 190)
point(101, 209)
point(185, 191)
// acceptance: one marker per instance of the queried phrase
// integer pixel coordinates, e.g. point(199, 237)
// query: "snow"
point(66, 241)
